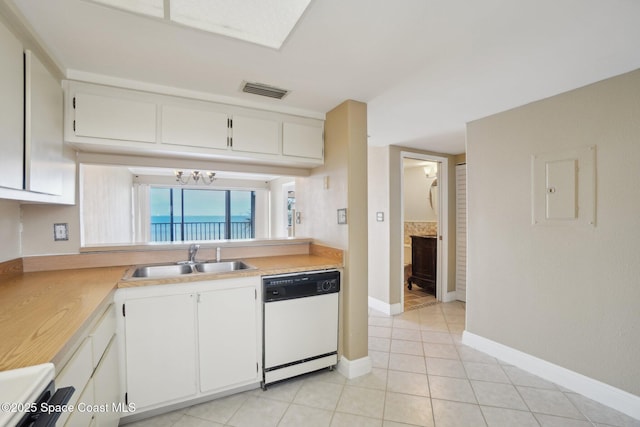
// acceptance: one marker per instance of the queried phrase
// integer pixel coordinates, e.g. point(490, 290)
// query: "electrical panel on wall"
point(564, 187)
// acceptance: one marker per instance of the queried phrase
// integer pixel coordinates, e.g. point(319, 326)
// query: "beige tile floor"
point(416, 297)
point(422, 375)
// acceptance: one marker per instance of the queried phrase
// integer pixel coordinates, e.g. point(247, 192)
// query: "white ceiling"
point(424, 67)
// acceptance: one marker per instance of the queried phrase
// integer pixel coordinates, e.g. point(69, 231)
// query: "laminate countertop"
point(43, 314)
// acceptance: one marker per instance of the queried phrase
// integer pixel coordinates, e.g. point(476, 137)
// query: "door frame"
point(442, 277)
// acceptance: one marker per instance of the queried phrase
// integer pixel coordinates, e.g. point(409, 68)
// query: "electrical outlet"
point(60, 231)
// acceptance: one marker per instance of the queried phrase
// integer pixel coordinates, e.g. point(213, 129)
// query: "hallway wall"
point(567, 294)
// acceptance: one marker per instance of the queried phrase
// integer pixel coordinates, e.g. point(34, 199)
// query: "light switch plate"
point(60, 231)
point(380, 216)
point(342, 216)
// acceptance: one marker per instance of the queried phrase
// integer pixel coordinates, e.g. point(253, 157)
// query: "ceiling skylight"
point(264, 22)
point(153, 8)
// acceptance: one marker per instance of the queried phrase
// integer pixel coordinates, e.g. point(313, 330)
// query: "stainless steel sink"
point(152, 271)
point(172, 270)
point(221, 267)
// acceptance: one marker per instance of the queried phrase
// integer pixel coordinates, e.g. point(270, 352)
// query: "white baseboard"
point(354, 368)
point(593, 389)
point(384, 307)
point(461, 295)
point(449, 296)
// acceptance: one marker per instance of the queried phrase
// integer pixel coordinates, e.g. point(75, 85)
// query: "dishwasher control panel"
point(300, 285)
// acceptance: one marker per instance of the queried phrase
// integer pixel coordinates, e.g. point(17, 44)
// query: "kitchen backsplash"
point(421, 228)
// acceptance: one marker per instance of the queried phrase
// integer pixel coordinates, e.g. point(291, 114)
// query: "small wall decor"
point(342, 216)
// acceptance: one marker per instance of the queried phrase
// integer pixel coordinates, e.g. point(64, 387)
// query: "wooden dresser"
point(424, 252)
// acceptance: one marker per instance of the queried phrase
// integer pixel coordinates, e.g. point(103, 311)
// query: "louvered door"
point(461, 232)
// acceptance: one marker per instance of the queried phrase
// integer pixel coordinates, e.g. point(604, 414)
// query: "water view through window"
point(183, 214)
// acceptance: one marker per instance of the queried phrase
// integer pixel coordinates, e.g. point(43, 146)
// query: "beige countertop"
point(263, 266)
point(43, 313)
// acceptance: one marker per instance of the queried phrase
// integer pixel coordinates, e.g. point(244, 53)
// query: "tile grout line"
point(486, 376)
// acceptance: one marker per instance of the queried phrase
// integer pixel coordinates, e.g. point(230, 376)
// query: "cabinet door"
point(11, 110)
point(105, 117)
point(77, 373)
point(160, 340)
point(194, 128)
point(227, 332)
point(43, 129)
point(106, 381)
point(256, 135)
point(424, 258)
point(80, 418)
point(301, 140)
point(103, 333)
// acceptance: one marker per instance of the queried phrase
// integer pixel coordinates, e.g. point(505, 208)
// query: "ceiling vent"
point(264, 90)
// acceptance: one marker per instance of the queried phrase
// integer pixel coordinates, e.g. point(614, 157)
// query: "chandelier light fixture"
point(196, 176)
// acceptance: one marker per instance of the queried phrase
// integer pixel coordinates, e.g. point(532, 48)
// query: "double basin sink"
point(180, 269)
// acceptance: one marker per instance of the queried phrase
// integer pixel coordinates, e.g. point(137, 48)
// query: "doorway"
point(423, 229)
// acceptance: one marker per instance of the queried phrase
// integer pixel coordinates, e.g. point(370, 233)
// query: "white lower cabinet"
point(227, 337)
point(94, 371)
point(82, 417)
point(188, 341)
point(160, 352)
point(76, 373)
point(106, 386)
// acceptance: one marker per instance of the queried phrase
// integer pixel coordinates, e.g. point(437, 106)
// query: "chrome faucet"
point(193, 250)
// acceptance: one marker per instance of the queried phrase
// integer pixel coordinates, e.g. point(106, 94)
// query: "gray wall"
point(567, 294)
point(10, 230)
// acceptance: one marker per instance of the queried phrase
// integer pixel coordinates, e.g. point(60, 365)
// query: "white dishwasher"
point(300, 324)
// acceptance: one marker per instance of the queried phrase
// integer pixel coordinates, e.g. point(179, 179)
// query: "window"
point(183, 214)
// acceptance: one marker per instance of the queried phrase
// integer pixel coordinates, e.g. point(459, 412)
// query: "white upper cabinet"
point(11, 110)
point(303, 140)
point(194, 127)
point(256, 135)
point(118, 118)
point(43, 129)
point(35, 166)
